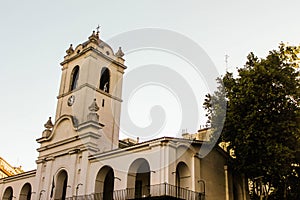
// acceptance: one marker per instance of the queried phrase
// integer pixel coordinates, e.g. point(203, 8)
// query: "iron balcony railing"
point(159, 190)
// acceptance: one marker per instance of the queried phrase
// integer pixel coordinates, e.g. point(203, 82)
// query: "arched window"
point(138, 178)
point(104, 186)
point(8, 194)
point(183, 178)
point(104, 79)
point(25, 193)
point(74, 78)
point(61, 185)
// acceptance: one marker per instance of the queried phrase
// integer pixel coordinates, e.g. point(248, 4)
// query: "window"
point(26, 192)
point(104, 184)
point(60, 186)
point(104, 79)
point(74, 78)
point(8, 194)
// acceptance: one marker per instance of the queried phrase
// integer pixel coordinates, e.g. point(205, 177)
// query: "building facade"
point(7, 170)
point(81, 156)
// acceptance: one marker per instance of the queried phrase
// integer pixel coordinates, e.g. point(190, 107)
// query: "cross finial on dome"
point(98, 27)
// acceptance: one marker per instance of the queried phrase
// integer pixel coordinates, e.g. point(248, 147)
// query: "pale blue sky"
point(35, 34)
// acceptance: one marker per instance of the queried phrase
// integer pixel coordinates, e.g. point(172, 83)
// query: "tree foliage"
point(262, 119)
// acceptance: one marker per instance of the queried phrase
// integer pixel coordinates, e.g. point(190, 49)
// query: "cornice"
point(20, 176)
point(90, 48)
point(59, 143)
point(91, 87)
point(89, 146)
point(163, 141)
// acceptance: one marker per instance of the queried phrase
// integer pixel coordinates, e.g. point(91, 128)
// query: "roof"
point(8, 169)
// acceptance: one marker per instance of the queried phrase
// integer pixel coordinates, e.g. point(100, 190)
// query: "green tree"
point(262, 120)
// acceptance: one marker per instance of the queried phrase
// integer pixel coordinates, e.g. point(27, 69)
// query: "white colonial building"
point(81, 156)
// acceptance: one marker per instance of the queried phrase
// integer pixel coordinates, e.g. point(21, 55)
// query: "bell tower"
point(91, 88)
point(92, 77)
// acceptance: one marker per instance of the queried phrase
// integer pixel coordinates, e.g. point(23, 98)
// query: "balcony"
point(153, 192)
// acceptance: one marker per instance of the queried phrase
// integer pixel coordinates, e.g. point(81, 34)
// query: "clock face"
point(71, 100)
